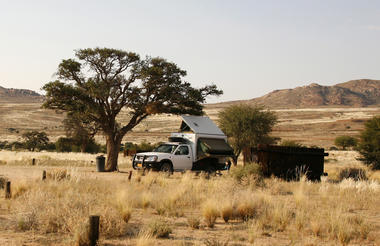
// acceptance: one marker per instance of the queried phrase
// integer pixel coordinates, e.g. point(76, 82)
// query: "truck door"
point(182, 159)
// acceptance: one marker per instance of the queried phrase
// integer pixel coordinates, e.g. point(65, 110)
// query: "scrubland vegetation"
point(237, 208)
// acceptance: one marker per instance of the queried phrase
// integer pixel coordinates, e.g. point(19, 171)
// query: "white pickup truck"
point(200, 146)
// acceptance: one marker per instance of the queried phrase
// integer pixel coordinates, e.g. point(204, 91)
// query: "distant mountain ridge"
point(354, 93)
point(12, 95)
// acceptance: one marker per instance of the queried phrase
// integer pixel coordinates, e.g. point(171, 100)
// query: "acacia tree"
point(101, 82)
point(35, 139)
point(246, 126)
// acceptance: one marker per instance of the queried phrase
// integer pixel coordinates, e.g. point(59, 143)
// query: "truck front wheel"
point(167, 168)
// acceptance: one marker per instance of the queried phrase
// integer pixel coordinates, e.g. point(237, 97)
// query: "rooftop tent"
point(199, 124)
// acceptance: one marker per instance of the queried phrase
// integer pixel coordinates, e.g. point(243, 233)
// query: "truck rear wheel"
point(167, 168)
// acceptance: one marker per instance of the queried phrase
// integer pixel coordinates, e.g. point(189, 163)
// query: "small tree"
point(369, 145)
point(246, 126)
point(345, 142)
point(35, 139)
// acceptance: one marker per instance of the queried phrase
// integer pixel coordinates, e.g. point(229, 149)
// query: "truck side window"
point(182, 150)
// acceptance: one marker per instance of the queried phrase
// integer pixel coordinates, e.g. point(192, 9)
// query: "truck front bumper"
point(142, 164)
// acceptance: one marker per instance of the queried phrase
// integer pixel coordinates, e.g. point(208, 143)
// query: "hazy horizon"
point(247, 48)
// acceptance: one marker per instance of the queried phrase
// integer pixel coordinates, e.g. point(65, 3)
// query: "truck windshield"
point(165, 148)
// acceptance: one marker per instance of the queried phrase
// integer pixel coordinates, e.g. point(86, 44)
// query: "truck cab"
point(199, 145)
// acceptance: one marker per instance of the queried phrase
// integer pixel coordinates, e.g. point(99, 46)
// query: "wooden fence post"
point(8, 193)
point(130, 176)
point(94, 230)
point(43, 174)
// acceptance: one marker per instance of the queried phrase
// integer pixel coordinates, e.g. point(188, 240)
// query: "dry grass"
point(210, 213)
point(151, 208)
point(53, 159)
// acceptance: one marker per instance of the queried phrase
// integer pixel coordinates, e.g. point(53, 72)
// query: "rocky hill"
point(354, 93)
point(19, 95)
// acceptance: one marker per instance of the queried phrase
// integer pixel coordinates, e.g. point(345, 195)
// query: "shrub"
point(159, 229)
point(345, 141)
point(333, 148)
point(353, 173)
point(57, 174)
point(210, 213)
point(291, 143)
point(64, 144)
point(3, 180)
point(248, 171)
point(69, 145)
point(369, 146)
point(126, 214)
point(193, 222)
point(246, 210)
point(226, 212)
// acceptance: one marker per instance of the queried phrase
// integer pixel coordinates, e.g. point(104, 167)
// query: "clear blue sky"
point(247, 48)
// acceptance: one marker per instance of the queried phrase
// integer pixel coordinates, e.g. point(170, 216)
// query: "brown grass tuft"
point(194, 222)
point(158, 229)
point(210, 213)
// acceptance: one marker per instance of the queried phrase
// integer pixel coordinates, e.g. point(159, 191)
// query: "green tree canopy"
point(101, 82)
point(369, 145)
point(345, 142)
point(246, 126)
point(35, 139)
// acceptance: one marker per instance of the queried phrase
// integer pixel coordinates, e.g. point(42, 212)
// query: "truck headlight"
point(152, 158)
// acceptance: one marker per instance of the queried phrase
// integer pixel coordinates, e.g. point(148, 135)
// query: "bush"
point(333, 148)
point(291, 143)
point(247, 171)
point(210, 213)
point(11, 145)
point(142, 147)
point(69, 145)
point(159, 229)
point(3, 180)
point(353, 173)
point(369, 146)
point(345, 141)
point(64, 144)
point(226, 212)
point(193, 222)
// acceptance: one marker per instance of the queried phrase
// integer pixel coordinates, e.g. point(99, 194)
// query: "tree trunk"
point(83, 146)
point(113, 147)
